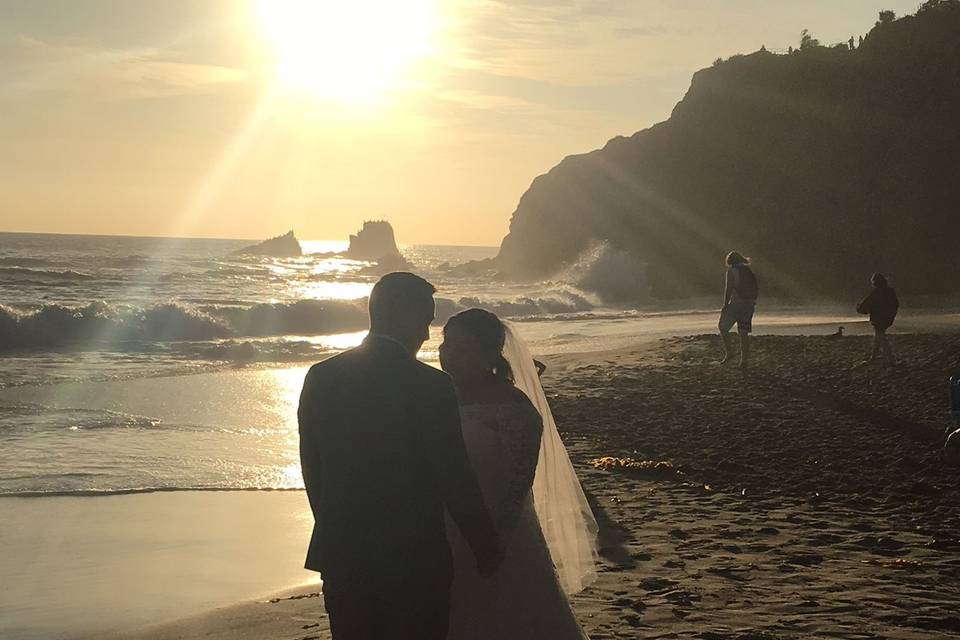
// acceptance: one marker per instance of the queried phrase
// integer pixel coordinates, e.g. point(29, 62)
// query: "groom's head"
point(401, 306)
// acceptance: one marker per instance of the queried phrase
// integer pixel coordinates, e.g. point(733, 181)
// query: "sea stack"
point(285, 246)
point(375, 242)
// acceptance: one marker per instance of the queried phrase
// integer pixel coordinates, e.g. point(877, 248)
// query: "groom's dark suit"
point(382, 454)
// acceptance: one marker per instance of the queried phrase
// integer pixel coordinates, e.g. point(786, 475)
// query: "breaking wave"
point(98, 322)
point(559, 302)
point(304, 317)
point(614, 275)
point(73, 419)
point(221, 327)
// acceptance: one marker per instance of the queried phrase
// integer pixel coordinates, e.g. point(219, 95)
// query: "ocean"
point(148, 390)
point(81, 314)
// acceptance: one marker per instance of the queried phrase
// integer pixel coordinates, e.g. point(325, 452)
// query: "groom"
point(382, 455)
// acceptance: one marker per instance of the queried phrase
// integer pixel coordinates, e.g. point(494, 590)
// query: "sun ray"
point(220, 173)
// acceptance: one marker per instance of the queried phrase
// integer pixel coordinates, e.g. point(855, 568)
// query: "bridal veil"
point(566, 519)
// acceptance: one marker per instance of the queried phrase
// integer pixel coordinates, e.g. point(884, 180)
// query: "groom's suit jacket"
point(382, 454)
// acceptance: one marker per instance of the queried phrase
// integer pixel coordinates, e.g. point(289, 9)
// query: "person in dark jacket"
point(383, 457)
point(882, 306)
point(739, 302)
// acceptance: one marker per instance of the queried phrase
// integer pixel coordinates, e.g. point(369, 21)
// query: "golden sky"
point(246, 118)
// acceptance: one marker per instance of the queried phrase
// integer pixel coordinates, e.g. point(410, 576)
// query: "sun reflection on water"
point(323, 246)
point(337, 290)
point(280, 388)
point(292, 475)
point(337, 265)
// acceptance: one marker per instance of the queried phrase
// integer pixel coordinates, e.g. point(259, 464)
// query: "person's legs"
point(352, 614)
point(727, 320)
point(413, 616)
point(877, 339)
point(744, 327)
point(875, 349)
point(881, 337)
point(727, 347)
point(744, 348)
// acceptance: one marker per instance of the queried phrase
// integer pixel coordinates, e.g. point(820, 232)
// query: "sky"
point(246, 118)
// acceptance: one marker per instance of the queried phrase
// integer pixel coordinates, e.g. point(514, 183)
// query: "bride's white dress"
point(524, 600)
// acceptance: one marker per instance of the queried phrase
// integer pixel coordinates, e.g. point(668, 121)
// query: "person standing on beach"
point(383, 456)
point(739, 302)
point(882, 305)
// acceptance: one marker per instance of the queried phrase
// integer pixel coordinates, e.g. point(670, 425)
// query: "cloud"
point(571, 42)
point(82, 69)
point(472, 99)
point(640, 31)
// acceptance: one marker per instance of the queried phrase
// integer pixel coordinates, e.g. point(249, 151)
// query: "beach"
point(797, 499)
point(204, 200)
point(142, 494)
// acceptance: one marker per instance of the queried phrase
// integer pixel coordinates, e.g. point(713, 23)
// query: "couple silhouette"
point(445, 504)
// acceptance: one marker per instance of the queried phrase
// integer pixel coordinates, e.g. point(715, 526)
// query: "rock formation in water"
point(373, 242)
point(824, 164)
point(284, 246)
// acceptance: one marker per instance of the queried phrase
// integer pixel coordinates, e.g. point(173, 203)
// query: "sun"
point(348, 50)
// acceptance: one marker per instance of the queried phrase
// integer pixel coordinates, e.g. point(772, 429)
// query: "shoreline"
point(107, 493)
point(645, 325)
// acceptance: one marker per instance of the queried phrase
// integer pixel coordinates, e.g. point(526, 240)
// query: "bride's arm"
point(520, 435)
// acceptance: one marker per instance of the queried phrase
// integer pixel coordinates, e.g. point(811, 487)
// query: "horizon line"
point(152, 237)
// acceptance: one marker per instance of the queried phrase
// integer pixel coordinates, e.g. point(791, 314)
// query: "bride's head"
point(472, 348)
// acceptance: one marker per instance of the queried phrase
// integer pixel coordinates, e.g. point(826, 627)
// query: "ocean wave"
point(41, 274)
point(130, 261)
point(24, 261)
point(612, 274)
point(248, 352)
point(98, 322)
point(99, 325)
point(615, 314)
point(519, 308)
point(73, 419)
point(220, 272)
point(303, 317)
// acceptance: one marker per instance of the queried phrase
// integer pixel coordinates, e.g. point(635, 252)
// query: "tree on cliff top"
point(807, 41)
point(886, 17)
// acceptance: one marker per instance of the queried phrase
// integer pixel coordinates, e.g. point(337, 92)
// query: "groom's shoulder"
point(331, 365)
point(410, 370)
point(430, 374)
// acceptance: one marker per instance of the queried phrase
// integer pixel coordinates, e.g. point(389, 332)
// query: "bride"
point(529, 485)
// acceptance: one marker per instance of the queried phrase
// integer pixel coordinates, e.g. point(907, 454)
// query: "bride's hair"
point(490, 333)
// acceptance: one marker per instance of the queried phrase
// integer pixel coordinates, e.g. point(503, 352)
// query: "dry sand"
point(804, 499)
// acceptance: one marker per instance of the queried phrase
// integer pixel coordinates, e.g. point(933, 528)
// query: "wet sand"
point(75, 566)
point(799, 498)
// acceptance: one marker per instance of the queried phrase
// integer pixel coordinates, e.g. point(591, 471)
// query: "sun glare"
point(347, 50)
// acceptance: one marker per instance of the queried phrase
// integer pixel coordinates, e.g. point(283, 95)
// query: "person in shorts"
point(739, 302)
point(881, 305)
